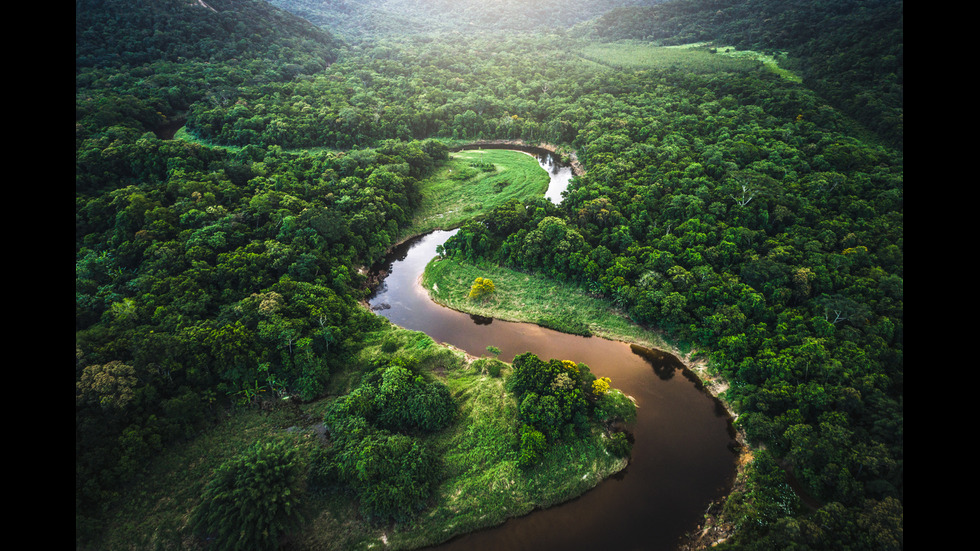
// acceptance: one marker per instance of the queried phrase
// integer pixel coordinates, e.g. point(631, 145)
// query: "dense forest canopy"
point(754, 217)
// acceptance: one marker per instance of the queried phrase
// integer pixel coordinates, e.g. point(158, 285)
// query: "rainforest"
point(248, 174)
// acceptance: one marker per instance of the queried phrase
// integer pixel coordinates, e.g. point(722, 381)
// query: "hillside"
point(850, 52)
point(752, 215)
point(355, 19)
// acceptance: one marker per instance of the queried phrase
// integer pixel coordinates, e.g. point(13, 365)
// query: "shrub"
point(618, 444)
point(533, 447)
point(392, 474)
point(406, 402)
point(482, 288)
point(615, 406)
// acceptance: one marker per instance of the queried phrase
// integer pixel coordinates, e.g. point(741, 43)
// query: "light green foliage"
point(252, 499)
point(457, 191)
point(613, 405)
point(533, 447)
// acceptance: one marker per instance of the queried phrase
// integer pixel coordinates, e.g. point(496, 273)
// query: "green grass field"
point(534, 299)
point(696, 57)
point(474, 182)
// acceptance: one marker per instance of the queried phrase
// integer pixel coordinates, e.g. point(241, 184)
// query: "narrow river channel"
point(682, 458)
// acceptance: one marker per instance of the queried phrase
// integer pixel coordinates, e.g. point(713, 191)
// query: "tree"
point(600, 386)
point(111, 385)
point(482, 288)
point(252, 499)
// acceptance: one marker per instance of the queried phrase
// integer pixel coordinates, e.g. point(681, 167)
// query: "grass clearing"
point(475, 181)
point(534, 299)
point(700, 57)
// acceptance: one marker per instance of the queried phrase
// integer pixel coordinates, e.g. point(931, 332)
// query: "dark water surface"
point(682, 458)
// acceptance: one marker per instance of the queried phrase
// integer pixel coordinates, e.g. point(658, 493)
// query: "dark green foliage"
point(405, 402)
point(252, 499)
point(619, 444)
point(555, 402)
point(391, 473)
point(851, 51)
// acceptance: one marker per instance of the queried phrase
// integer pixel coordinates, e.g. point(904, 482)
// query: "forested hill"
point(367, 18)
point(140, 64)
point(849, 51)
point(115, 33)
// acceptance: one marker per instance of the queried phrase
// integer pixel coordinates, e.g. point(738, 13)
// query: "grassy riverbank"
point(534, 299)
point(473, 182)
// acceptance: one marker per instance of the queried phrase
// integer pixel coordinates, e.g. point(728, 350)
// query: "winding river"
point(682, 457)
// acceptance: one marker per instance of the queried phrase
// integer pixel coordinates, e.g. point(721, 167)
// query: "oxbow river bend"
point(682, 454)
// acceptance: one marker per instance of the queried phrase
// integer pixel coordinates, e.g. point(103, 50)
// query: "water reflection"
point(663, 364)
point(481, 320)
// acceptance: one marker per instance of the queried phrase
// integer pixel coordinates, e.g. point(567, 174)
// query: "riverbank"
point(566, 307)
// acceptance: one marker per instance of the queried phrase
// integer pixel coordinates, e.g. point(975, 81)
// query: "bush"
point(252, 500)
point(615, 406)
point(406, 402)
point(392, 474)
point(482, 288)
point(533, 447)
point(618, 444)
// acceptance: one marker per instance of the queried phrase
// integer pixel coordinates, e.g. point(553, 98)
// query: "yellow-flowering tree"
point(600, 386)
point(482, 288)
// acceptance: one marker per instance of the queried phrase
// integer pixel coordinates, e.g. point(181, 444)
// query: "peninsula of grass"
point(473, 182)
point(534, 299)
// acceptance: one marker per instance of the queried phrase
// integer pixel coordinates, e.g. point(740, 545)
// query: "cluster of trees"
point(375, 451)
point(213, 275)
point(409, 88)
point(206, 275)
point(726, 205)
point(560, 400)
point(141, 65)
point(378, 18)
